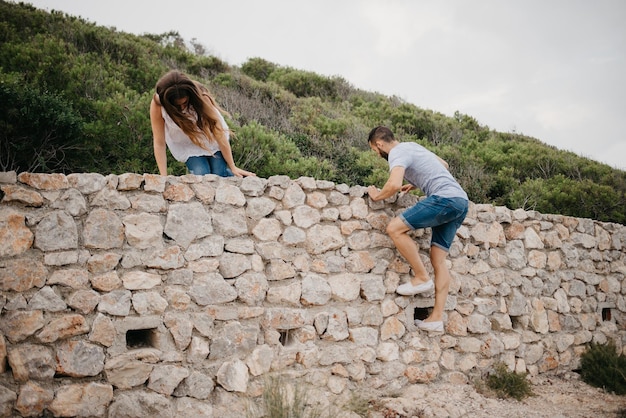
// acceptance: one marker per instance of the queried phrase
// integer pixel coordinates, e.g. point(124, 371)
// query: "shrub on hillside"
point(39, 130)
point(258, 68)
point(602, 366)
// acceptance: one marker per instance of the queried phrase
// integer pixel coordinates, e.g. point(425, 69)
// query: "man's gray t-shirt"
point(423, 169)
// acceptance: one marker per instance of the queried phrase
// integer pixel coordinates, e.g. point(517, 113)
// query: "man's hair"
point(382, 133)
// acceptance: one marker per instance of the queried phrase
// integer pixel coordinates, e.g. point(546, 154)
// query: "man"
point(443, 211)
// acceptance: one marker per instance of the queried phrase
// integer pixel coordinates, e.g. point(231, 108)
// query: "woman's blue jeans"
point(202, 165)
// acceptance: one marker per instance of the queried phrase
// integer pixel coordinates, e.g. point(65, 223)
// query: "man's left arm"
point(443, 162)
point(391, 187)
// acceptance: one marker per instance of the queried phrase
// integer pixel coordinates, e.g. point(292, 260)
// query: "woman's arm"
point(158, 137)
point(227, 153)
point(224, 144)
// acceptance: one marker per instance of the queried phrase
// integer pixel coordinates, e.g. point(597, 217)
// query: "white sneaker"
point(436, 326)
point(408, 289)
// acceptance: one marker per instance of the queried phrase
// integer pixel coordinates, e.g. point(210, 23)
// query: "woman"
point(186, 119)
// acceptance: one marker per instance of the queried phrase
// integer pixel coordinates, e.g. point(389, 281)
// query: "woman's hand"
point(239, 172)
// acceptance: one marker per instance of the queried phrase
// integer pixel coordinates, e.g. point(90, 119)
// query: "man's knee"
point(438, 257)
point(396, 227)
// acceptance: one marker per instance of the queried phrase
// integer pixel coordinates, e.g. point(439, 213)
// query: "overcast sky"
point(554, 70)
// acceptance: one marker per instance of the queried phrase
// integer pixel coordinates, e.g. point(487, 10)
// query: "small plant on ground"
point(508, 384)
point(284, 399)
point(602, 366)
point(358, 404)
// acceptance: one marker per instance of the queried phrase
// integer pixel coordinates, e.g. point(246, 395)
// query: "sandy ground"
point(555, 396)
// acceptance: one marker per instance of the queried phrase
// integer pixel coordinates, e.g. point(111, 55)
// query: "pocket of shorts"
point(454, 208)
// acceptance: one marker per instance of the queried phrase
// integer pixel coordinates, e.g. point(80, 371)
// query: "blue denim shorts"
point(202, 165)
point(442, 214)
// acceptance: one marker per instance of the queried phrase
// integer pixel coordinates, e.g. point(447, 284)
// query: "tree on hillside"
point(39, 131)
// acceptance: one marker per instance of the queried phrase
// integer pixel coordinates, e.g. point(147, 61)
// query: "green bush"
point(602, 366)
point(258, 68)
point(411, 120)
point(39, 131)
point(579, 198)
point(305, 83)
point(508, 384)
point(268, 153)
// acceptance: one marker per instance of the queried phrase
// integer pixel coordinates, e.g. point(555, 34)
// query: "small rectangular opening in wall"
point(517, 322)
point(140, 338)
point(286, 338)
point(606, 314)
point(421, 313)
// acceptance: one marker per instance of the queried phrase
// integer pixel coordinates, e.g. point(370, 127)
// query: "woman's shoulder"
point(156, 109)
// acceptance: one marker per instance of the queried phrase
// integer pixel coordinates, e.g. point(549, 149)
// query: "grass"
point(283, 400)
point(286, 398)
point(358, 404)
point(505, 383)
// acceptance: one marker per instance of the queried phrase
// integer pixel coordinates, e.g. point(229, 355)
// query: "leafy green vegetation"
point(508, 384)
point(74, 97)
point(602, 366)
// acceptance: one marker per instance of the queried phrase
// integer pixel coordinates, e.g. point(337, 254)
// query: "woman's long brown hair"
point(174, 86)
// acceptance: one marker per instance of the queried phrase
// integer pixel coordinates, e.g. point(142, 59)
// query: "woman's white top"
point(179, 143)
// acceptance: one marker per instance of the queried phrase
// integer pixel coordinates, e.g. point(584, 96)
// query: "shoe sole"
point(430, 288)
point(439, 327)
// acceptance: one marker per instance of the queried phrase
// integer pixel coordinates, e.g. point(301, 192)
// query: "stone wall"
point(141, 295)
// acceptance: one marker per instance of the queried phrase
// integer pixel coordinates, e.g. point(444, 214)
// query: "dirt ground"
point(555, 396)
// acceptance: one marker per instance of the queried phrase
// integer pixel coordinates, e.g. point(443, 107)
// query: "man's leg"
point(442, 282)
point(398, 232)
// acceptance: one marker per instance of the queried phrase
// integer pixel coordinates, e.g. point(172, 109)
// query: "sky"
point(554, 70)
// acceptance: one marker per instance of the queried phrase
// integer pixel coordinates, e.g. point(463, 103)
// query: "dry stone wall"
point(141, 295)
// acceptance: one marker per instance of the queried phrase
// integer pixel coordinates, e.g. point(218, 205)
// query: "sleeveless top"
point(179, 143)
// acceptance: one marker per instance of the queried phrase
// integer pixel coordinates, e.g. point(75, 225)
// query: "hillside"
point(74, 97)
